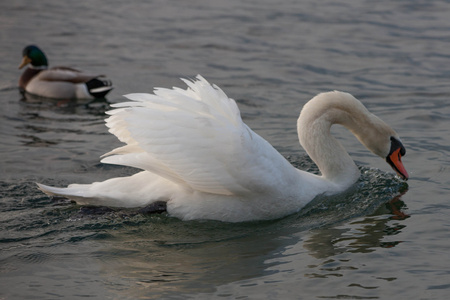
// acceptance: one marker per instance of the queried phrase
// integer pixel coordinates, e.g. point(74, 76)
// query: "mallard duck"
point(58, 82)
point(202, 161)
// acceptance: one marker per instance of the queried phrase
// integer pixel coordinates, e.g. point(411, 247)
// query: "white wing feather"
point(195, 138)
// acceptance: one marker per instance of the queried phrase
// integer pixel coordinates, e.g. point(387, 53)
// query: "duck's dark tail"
point(99, 88)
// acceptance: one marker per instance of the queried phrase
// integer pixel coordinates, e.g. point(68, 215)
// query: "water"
point(382, 240)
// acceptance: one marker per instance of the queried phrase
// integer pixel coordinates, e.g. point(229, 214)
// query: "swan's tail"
point(53, 191)
point(76, 192)
point(138, 190)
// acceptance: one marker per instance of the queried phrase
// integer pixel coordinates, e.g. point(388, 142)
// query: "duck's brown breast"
point(26, 76)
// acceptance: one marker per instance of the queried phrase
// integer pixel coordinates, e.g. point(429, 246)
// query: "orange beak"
point(395, 160)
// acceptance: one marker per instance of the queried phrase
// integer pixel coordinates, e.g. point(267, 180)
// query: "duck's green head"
point(32, 54)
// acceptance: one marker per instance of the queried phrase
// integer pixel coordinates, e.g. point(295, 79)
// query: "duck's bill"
point(394, 159)
point(25, 61)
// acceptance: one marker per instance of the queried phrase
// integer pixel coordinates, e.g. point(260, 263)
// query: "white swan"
point(205, 163)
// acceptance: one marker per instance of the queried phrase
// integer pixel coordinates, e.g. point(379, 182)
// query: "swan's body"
point(58, 82)
point(205, 163)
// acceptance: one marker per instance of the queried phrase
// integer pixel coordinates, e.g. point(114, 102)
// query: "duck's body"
point(58, 82)
point(205, 163)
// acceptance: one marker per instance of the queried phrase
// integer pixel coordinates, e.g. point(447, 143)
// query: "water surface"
point(383, 239)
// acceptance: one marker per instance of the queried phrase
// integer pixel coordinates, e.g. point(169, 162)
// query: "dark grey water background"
point(271, 56)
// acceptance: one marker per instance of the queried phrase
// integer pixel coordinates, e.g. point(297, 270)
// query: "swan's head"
point(326, 109)
point(374, 133)
point(394, 157)
point(383, 141)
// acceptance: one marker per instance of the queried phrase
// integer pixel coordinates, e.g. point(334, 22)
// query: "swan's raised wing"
point(195, 138)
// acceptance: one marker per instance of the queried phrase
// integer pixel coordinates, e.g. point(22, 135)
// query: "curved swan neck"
point(314, 124)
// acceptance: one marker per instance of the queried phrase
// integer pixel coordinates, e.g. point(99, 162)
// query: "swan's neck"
point(314, 125)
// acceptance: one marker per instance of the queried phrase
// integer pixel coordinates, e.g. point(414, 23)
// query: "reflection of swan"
point(205, 163)
point(138, 261)
point(58, 82)
point(362, 235)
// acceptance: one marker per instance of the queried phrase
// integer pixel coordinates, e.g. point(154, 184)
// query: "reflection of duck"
point(205, 163)
point(58, 82)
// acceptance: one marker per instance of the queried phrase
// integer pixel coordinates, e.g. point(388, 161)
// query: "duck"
point(202, 162)
point(58, 82)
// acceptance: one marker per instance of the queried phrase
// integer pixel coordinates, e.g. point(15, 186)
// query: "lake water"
point(384, 239)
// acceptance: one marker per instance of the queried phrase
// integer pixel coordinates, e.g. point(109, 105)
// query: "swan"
point(58, 82)
point(203, 162)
